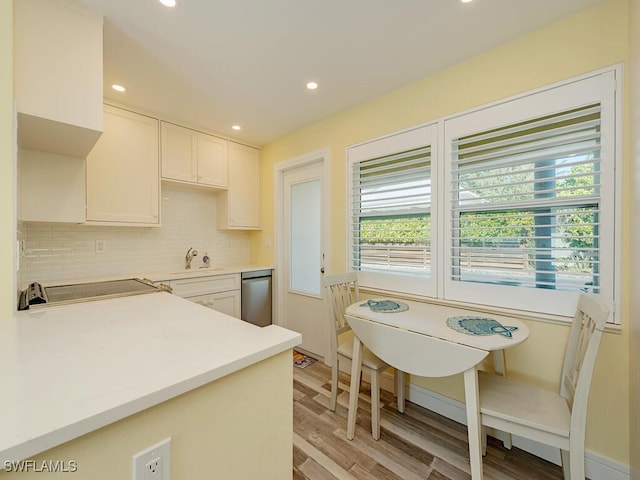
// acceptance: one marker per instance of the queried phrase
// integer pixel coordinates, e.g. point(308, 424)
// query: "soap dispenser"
point(206, 261)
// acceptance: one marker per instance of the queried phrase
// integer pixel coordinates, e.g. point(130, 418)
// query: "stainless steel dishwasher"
point(256, 297)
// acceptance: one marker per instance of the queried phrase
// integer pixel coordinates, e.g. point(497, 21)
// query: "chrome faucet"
point(188, 257)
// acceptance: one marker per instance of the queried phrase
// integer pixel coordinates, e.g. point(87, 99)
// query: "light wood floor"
point(418, 444)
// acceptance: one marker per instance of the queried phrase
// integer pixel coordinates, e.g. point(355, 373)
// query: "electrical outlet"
point(154, 463)
point(101, 246)
point(153, 469)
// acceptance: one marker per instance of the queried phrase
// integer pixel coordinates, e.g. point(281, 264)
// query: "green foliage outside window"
point(396, 230)
point(505, 229)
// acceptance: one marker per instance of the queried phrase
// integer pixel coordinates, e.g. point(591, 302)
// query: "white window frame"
point(602, 87)
point(597, 89)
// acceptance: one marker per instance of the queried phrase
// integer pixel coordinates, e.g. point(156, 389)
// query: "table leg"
point(499, 363)
point(500, 368)
point(472, 401)
point(354, 389)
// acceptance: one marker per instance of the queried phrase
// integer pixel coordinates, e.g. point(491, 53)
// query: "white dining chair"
point(341, 291)
point(555, 419)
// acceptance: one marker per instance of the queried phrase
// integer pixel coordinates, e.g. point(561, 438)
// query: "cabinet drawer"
point(189, 287)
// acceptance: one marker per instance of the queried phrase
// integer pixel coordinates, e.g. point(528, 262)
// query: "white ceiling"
point(213, 63)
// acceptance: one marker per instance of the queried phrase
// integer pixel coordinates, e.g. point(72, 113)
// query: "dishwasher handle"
point(255, 274)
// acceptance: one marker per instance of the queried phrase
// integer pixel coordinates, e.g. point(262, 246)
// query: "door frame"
point(322, 156)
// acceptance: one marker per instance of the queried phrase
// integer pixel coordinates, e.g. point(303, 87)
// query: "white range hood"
point(58, 76)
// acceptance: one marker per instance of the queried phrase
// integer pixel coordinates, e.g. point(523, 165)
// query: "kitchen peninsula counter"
point(70, 370)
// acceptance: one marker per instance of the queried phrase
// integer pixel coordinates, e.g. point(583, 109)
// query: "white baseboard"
point(596, 467)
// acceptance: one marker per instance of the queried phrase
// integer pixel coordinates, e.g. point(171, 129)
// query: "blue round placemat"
point(386, 306)
point(480, 326)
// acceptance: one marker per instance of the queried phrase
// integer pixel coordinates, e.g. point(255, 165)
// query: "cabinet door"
point(227, 302)
point(123, 170)
point(223, 302)
point(212, 160)
point(244, 187)
point(179, 153)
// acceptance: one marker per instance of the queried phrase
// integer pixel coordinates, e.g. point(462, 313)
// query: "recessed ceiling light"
point(168, 3)
point(466, 1)
point(236, 127)
point(312, 85)
point(118, 88)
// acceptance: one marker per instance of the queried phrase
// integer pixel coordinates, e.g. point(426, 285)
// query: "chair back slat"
point(582, 348)
point(341, 291)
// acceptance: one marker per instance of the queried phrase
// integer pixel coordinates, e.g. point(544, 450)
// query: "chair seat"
point(369, 359)
point(523, 404)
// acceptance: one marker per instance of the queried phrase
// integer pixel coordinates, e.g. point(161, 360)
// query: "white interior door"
point(302, 262)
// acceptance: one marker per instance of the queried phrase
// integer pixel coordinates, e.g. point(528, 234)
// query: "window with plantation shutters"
point(510, 205)
point(392, 213)
point(391, 208)
point(526, 203)
point(530, 199)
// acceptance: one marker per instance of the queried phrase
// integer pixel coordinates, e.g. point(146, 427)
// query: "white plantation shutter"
point(390, 211)
point(526, 203)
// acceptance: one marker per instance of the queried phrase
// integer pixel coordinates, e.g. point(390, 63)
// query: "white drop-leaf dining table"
point(419, 341)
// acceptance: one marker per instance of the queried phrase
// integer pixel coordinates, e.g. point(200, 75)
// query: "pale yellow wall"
point(239, 427)
point(593, 39)
point(634, 378)
point(7, 170)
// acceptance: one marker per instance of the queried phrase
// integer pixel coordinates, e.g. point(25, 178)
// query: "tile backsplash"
point(61, 252)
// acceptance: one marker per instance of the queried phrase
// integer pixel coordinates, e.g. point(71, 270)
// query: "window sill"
point(520, 314)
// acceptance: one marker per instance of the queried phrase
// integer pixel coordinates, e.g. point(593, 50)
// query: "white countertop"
point(160, 276)
point(204, 272)
point(69, 370)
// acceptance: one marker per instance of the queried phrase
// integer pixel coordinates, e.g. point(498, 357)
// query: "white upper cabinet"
point(239, 206)
point(193, 157)
point(212, 161)
point(179, 153)
point(57, 76)
point(123, 171)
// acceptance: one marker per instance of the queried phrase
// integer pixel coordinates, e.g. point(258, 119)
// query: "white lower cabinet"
point(218, 292)
point(225, 302)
